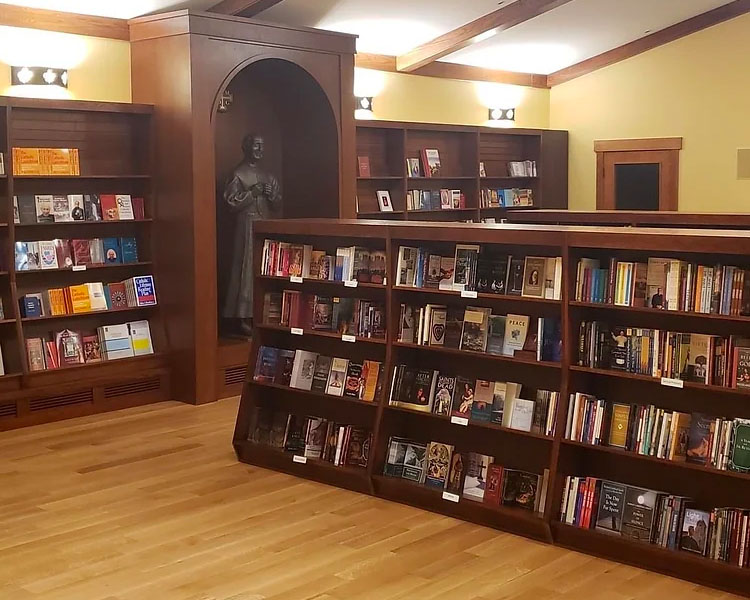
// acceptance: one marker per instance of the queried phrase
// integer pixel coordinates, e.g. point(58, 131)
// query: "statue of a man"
point(252, 194)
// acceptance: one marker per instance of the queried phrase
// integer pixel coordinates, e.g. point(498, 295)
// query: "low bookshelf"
point(86, 225)
point(534, 429)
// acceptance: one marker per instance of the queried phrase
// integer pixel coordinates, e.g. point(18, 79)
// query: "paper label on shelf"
point(460, 421)
point(451, 497)
point(468, 294)
point(675, 383)
point(348, 338)
point(297, 331)
point(296, 279)
point(300, 459)
point(79, 267)
point(351, 283)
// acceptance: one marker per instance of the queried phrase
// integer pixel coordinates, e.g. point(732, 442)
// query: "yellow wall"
point(99, 68)
point(697, 87)
point(414, 98)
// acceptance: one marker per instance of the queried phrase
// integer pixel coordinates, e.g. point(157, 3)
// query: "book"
point(739, 455)
point(481, 406)
point(315, 437)
point(514, 285)
point(321, 373)
point(81, 252)
point(463, 397)
point(438, 316)
point(370, 377)
point(474, 331)
point(475, 480)
point(447, 272)
point(455, 483)
point(516, 329)
point(534, 276)
point(699, 439)
point(406, 268)
point(97, 297)
point(115, 341)
point(69, 347)
point(337, 377)
point(611, 507)
point(44, 209)
point(694, 533)
point(412, 167)
point(303, 369)
point(111, 248)
point(697, 362)
point(61, 209)
point(128, 250)
point(656, 282)
point(496, 334)
point(284, 367)
point(363, 165)
point(638, 514)
point(35, 354)
point(354, 382)
point(92, 352)
point(443, 398)
point(64, 254)
point(494, 489)
point(522, 415)
point(265, 364)
point(438, 463)
point(741, 368)
point(414, 461)
point(520, 489)
point(384, 201)
point(466, 257)
point(27, 214)
point(47, 255)
point(619, 426)
point(431, 162)
point(92, 207)
point(140, 338)
point(109, 208)
point(117, 295)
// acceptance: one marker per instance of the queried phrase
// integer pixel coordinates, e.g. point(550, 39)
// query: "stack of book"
point(507, 197)
point(65, 254)
point(427, 165)
point(657, 518)
point(311, 437)
point(136, 292)
point(471, 475)
point(304, 370)
point(481, 269)
point(665, 283)
point(68, 348)
point(352, 316)
point(443, 199)
point(46, 161)
point(522, 168)
point(473, 400)
point(51, 208)
point(652, 431)
point(351, 263)
point(694, 357)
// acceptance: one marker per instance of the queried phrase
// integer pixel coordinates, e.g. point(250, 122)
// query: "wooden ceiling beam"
point(670, 34)
point(64, 22)
point(499, 20)
point(243, 8)
point(445, 70)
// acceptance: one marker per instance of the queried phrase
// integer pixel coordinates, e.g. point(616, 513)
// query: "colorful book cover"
point(129, 250)
point(112, 252)
point(481, 406)
point(438, 464)
point(145, 292)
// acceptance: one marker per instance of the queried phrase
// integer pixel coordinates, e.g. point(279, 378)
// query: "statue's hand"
point(258, 189)
point(268, 190)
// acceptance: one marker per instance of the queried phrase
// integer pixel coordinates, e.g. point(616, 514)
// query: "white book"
point(337, 377)
point(406, 270)
point(306, 260)
point(124, 207)
point(96, 296)
point(61, 209)
point(384, 201)
point(2, 364)
point(96, 249)
point(47, 255)
point(303, 369)
point(140, 338)
point(77, 212)
point(115, 341)
point(522, 414)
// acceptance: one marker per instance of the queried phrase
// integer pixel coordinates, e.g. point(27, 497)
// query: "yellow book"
point(60, 161)
point(79, 298)
point(27, 161)
point(57, 301)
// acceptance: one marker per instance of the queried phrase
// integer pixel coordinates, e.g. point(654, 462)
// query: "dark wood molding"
point(499, 20)
point(243, 8)
point(638, 144)
point(64, 22)
point(670, 34)
point(446, 70)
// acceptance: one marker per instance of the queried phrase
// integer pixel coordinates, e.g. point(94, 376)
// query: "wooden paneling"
point(670, 34)
point(447, 70)
point(499, 20)
point(243, 8)
point(633, 218)
point(632, 145)
point(65, 22)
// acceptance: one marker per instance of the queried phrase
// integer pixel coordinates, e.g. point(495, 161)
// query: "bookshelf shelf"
point(443, 178)
point(88, 268)
point(382, 178)
point(321, 334)
point(484, 355)
point(380, 213)
point(309, 394)
point(7, 321)
point(81, 177)
point(324, 282)
point(480, 296)
point(440, 211)
point(89, 313)
point(134, 361)
point(658, 312)
point(83, 223)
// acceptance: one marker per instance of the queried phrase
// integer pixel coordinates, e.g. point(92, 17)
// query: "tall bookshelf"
point(710, 488)
point(116, 156)
point(388, 145)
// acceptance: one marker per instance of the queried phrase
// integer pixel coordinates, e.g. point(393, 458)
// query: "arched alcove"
point(284, 103)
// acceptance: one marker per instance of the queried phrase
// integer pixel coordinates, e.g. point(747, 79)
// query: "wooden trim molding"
point(499, 20)
point(243, 8)
point(64, 22)
point(638, 145)
point(670, 34)
point(377, 62)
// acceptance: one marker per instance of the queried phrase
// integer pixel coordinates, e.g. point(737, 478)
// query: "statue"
point(251, 194)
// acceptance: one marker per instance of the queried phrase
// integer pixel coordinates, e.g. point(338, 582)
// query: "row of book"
point(46, 161)
point(469, 475)
point(648, 430)
point(667, 284)
point(68, 348)
point(473, 400)
point(522, 168)
point(311, 437)
point(310, 371)
point(657, 518)
point(476, 329)
point(479, 268)
point(134, 292)
point(428, 165)
point(442, 199)
point(49, 208)
point(351, 316)
point(351, 263)
point(65, 254)
point(495, 198)
point(693, 357)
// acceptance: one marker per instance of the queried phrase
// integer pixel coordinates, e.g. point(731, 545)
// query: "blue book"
point(129, 249)
point(112, 252)
point(31, 306)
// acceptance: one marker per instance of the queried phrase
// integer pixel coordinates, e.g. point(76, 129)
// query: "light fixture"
point(502, 114)
point(364, 103)
point(39, 76)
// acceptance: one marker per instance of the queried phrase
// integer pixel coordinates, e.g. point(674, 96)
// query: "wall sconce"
point(225, 101)
point(39, 76)
point(364, 103)
point(502, 114)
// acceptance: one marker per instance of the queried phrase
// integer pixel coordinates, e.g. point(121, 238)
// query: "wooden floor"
point(151, 504)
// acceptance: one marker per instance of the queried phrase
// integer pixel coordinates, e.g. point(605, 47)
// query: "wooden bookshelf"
point(389, 143)
point(709, 487)
point(116, 156)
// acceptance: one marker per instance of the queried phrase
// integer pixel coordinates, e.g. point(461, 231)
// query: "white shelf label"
point(351, 283)
point(79, 267)
point(300, 459)
point(451, 497)
point(468, 294)
point(675, 383)
point(296, 279)
point(297, 331)
point(348, 338)
point(460, 421)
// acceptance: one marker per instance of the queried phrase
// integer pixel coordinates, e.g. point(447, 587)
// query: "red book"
point(118, 297)
point(50, 355)
point(81, 252)
point(363, 162)
point(109, 207)
point(139, 208)
point(64, 256)
point(493, 491)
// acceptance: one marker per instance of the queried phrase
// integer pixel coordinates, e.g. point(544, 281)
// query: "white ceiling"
point(557, 39)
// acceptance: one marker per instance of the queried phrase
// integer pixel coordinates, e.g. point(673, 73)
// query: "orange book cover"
point(27, 161)
point(60, 161)
point(79, 298)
